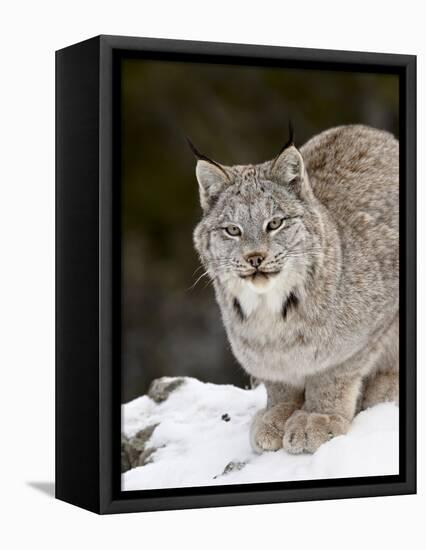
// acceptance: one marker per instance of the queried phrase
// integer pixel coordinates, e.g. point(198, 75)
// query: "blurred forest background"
point(235, 115)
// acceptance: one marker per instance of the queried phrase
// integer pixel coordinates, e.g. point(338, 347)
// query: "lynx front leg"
point(267, 428)
point(330, 404)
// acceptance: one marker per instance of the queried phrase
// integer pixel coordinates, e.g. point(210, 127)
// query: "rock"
point(231, 467)
point(125, 460)
point(134, 451)
point(161, 388)
point(146, 456)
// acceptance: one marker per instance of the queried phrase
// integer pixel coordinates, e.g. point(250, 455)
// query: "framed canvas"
point(235, 274)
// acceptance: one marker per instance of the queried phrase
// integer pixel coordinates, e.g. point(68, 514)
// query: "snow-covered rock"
point(198, 434)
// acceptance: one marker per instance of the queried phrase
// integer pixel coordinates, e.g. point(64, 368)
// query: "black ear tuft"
point(201, 156)
point(195, 151)
point(290, 140)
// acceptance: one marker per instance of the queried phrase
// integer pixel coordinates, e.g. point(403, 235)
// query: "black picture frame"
point(88, 275)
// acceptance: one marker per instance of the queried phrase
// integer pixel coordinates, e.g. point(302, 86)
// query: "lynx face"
point(255, 229)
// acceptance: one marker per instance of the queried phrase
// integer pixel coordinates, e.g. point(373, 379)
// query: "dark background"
point(235, 115)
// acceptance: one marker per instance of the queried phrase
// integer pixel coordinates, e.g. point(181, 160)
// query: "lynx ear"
point(288, 169)
point(212, 177)
point(288, 165)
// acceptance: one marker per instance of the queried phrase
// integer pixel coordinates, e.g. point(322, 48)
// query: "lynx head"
point(257, 224)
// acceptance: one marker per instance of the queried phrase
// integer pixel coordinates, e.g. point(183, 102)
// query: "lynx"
point(303, 252)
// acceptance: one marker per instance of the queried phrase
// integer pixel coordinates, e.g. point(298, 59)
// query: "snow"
point(194, 444)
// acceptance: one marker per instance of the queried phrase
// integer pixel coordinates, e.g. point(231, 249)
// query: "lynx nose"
point(255, 259)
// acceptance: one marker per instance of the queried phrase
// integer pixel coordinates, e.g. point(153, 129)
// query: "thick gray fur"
point(320, 325)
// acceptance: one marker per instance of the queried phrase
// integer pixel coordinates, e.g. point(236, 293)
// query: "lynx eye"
point(275, 223)
point(233, 230)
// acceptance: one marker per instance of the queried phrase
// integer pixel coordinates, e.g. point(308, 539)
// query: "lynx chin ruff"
point(303, 254)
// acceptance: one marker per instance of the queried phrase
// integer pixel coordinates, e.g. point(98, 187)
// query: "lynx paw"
point(267, 428)
point(305, 432)
point(264, 434)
